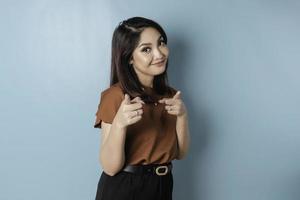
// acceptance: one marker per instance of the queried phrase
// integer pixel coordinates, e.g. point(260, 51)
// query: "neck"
point(147, 83)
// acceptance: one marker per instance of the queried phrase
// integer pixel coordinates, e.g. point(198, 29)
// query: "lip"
point(159, 63)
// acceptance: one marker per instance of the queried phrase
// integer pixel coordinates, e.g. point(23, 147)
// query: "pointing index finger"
point(177, 95)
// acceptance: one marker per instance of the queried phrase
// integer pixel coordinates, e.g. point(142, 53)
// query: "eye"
point(146, 49)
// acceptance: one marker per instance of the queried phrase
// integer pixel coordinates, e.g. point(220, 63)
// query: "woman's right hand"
point(130, 111)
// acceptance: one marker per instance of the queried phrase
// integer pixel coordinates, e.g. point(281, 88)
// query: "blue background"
point(236, 63)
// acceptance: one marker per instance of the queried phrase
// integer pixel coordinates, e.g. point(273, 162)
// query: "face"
point(150, 56)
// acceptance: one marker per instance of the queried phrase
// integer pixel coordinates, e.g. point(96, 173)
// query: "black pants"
point(129, 186)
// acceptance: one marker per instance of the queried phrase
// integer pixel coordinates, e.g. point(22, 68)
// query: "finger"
point(173, 112)
point(134, 119)
point(171, 107)
point(135, 113)
point(162, 100)
point(126, 99)
point(133, 106)
point(177, 95)
point(170, 101)
point(137, 99)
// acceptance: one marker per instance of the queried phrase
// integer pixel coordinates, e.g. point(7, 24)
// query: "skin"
point(144, 59)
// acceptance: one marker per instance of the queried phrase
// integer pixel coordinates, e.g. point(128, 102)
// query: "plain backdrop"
point(235, 62)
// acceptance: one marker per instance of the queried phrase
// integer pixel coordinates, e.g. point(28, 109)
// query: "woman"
point(144, 121)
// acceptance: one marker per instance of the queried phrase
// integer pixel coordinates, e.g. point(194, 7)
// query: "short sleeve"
point(110, 101)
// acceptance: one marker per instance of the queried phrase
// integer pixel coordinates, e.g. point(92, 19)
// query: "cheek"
point(144, 59)
point(165, 51)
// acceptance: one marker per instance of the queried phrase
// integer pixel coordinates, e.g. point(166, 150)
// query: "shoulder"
point(113, 92)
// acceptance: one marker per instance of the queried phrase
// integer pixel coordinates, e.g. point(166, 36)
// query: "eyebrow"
point(150, 43)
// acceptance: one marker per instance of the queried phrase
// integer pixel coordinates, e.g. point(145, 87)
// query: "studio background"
point(235, 62)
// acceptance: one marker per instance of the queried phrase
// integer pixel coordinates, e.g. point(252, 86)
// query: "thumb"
point(177, 95)
point(126, 99)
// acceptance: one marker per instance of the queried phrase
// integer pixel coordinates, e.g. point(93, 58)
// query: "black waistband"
point(155, 169)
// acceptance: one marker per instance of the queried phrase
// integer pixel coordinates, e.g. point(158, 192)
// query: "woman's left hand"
point(175, 105)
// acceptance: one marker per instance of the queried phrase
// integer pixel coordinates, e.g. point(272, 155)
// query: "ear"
point(131, 60)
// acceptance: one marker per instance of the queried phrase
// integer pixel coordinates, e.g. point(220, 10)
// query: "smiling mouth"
point(159, 62)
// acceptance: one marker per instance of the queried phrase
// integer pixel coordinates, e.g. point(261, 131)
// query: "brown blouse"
point(153, 138)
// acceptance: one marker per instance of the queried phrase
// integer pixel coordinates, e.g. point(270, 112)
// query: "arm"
point(175, 106)
point(112, 151)
point(112, 155)
point(183, 135)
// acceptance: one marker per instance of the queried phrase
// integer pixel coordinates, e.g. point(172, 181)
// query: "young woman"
point(144, 120)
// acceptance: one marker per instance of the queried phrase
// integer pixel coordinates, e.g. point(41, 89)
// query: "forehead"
point(149, 35)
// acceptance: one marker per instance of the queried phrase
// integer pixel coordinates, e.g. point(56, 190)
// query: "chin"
point(157, 70)
point(160, 71)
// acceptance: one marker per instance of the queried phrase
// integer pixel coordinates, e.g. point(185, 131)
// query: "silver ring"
point(136, 113)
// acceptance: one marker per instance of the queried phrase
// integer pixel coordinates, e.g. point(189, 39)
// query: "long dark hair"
point(125, 39)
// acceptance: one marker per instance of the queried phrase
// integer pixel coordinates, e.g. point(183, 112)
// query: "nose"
point(157, 54)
